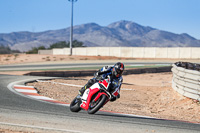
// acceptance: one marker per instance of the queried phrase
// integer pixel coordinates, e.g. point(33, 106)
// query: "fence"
point(186, 79)
point(132, 52)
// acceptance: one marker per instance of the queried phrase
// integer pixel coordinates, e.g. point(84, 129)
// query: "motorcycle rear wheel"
point(75, 105)
point(98, 104)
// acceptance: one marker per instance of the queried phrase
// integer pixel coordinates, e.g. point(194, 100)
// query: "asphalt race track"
point(70, 65)
point(21, 113)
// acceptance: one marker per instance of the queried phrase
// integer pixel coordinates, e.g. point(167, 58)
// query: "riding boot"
point(82, 90)
point(88, 85)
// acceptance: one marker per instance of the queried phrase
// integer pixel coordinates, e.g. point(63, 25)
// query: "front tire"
point(98, 104)
point(75, 105)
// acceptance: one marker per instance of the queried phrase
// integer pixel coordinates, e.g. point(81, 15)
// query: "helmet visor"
point(119, 72)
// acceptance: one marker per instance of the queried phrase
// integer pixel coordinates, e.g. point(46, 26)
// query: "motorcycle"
point(93, 98)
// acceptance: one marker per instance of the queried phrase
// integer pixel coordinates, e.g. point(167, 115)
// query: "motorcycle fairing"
point(105, 83)
point(115, 93)
point(88, 95)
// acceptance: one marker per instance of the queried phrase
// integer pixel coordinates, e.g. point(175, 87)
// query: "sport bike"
point(93, 98)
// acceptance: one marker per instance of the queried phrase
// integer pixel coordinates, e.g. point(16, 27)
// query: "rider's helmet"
point(118, 69)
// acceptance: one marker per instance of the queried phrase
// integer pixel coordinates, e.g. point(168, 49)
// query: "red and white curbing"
point(33, 93)
point(30, 91)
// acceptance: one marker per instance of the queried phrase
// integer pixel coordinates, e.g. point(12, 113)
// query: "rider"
point(115, 74)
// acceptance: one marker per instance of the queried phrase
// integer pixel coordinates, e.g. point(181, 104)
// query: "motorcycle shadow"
point(136, 119)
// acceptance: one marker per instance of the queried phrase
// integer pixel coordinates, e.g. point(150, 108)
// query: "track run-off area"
point(19, 112)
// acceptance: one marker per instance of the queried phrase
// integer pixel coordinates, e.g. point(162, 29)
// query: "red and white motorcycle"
point(93, 98)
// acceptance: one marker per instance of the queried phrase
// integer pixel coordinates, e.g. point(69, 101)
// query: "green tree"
point(64, 44)
point(61, 44)
point(76, 43)
point(35, 50)
point(7, 50)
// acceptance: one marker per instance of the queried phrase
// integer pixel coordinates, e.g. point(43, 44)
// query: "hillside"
point(121, 33)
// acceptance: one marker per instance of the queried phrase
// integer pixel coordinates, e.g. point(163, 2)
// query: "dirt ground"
point(141, 94)
point(35, 58)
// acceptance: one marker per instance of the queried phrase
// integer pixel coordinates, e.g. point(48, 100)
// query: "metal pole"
point(71, 31)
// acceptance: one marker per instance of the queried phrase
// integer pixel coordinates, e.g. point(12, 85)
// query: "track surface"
point(69, 65)
point(21, 113)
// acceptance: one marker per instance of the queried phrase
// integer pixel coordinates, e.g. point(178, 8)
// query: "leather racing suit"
point(102, 74)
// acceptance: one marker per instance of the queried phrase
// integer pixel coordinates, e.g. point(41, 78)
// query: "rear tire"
point(99, 104)
point(75, 105)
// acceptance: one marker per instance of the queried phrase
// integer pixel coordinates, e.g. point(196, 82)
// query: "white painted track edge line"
point(40, 97)
point(24, 86)
point(70, 84)
point(24, 90)
point(13, 83)
point(60, 104)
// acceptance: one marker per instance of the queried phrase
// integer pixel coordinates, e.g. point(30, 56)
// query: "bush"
point(35, 50)
point(7, 50)
point(63, 44)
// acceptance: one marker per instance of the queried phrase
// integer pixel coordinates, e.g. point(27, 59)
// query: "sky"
point(177, 16)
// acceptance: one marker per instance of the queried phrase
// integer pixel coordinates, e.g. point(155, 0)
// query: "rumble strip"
point(32, 92)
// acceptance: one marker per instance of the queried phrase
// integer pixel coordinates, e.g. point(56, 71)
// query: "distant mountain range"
point(121, 33)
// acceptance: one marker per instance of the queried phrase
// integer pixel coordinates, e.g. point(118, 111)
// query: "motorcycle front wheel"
point(75, 105)
point(94, 106)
